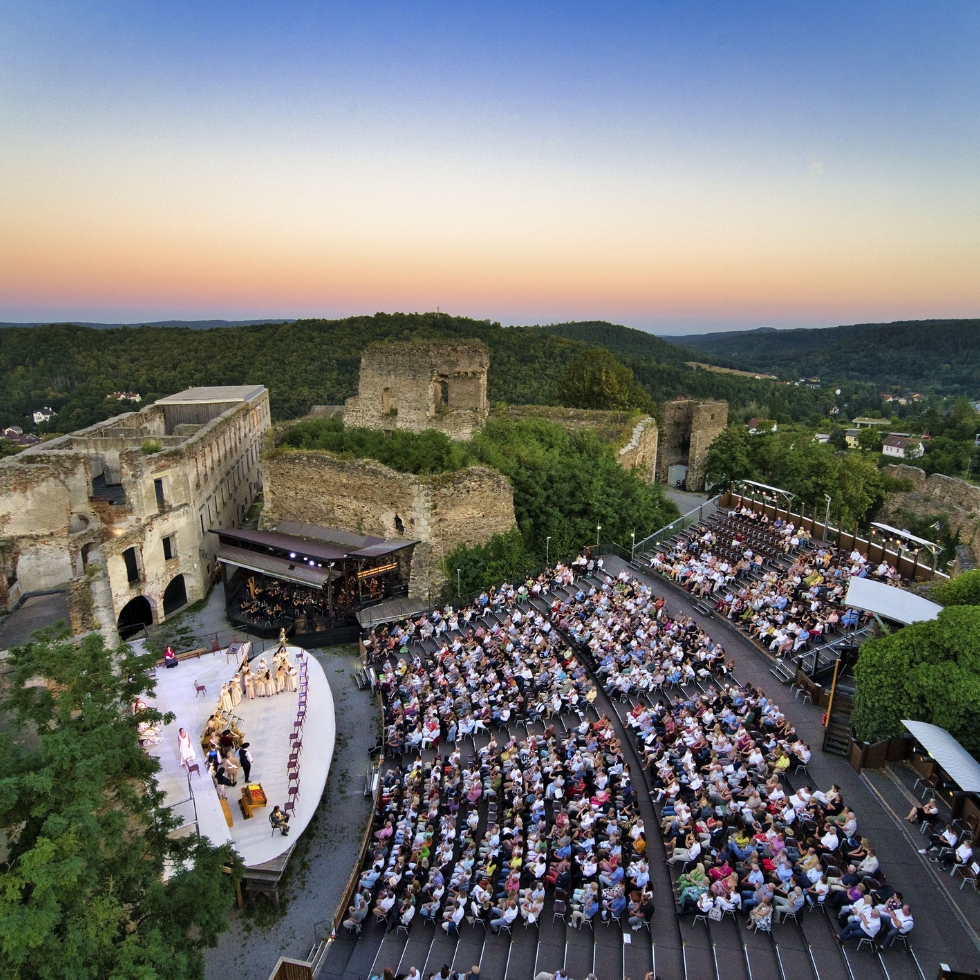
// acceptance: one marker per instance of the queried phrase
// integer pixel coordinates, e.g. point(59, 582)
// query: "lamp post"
point(633, 546)
point(826, 517)
point(459, 591)
point(598, 528)
point(547, 549)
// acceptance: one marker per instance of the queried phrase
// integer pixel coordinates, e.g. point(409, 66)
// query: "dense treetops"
point(794, 461)
point(407, 452)
point(940, 354)
point(82, 893)
point(309, 362)
point(964, 590)
point(925, 672)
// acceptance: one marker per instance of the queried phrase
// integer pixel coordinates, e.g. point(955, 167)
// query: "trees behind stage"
point(565, 486)
point(82, 890)
point(928, 672)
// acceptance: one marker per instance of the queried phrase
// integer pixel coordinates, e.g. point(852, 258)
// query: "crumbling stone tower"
point(420, 386)
point(690, 427)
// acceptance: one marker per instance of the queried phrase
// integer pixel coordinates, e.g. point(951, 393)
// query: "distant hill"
point(625, 342)
point(316, 362)
point(189, 324)
point(943, 355)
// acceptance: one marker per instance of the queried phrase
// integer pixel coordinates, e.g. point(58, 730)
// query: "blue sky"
point(675, 166)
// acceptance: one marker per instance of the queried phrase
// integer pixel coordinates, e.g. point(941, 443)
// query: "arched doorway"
point(134, 616)
point(175, 596)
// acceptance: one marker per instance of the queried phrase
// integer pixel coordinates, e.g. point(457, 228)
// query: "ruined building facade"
point(420, 386)
point(690, 427)
point(119, 514)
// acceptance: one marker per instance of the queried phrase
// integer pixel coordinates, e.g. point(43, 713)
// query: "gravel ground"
point(325, 854)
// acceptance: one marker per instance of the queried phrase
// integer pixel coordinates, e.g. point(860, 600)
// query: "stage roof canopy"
point(301, 548)
point(952, 758)
point(890, 602)
point(282, 568)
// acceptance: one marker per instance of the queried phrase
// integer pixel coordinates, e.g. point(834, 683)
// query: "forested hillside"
point(73, 368)
point(940, 355)
point(308, 362)
point(624, 342)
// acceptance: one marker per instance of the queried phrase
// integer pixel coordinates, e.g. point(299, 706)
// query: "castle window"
point(132, 566)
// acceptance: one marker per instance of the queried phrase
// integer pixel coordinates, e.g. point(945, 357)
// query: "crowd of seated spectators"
point(718, 754)
point(487, 675)
point(632, 642)
point(387, 639)
point(561, 808)
point(560, 816)
point(768, 578)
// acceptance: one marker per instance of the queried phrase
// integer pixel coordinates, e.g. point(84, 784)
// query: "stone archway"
point(175, 596)
point(135, 615)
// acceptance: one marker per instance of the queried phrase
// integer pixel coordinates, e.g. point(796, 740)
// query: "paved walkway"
point(947, 920)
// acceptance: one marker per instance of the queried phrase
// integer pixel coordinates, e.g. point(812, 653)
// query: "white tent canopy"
point(952, 758)
point(889, 602)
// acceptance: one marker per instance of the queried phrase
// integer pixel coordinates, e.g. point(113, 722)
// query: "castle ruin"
point(419, 386)
point(690, 427)
point(120, 515)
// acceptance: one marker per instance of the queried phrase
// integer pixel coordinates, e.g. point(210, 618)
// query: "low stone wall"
point(441, 512)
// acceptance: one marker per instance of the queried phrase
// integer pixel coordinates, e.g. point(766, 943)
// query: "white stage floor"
point(267, 723)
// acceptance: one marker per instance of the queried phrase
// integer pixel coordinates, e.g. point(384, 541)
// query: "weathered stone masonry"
point(442, 511)
point(420, 386)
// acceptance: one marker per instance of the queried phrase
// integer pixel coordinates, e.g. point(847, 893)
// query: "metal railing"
point(707, 509)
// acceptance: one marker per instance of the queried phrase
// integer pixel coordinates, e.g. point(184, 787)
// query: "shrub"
point(964, 590)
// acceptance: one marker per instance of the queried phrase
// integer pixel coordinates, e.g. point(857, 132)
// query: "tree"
point(869, 440)
point(596, 379)
point(728, 457)
point(944, 455)
point(856, 487)
point(83, 892)
point(964, 590)
point(928, 672)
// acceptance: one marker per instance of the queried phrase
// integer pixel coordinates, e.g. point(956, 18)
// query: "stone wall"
point(934, 494)
point(81, 613)
point(689, 429)
point(442, 511)
point(38, 539)
point(707, 422)
point(640, 453)
point(420, 386)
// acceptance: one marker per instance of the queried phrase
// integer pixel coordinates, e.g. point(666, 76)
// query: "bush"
point(407, 452)
point(961, 591)
point(925, 672)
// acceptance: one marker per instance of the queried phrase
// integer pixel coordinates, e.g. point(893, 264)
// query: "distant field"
point(724, 370)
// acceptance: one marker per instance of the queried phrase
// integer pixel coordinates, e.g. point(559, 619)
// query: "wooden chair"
point(200, 689)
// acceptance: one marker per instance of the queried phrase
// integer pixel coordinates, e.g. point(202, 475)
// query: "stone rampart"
point(419, 386)
point(634, 439)
point(441, 511)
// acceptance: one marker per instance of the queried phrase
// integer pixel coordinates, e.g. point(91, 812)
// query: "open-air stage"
point(266, 725)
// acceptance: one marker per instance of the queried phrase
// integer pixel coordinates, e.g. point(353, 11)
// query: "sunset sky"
point(675, 166)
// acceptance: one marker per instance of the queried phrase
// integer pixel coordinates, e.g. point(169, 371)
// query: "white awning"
point(952, 758)
point(890, 602)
